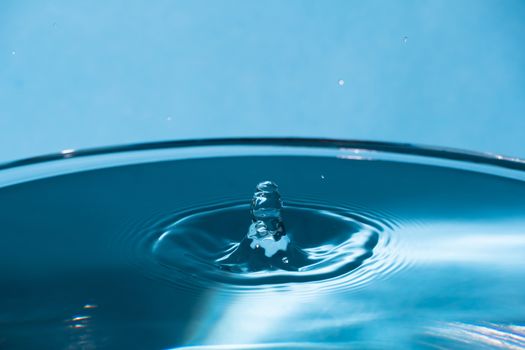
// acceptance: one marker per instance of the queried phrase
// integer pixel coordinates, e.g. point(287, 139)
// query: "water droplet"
point(168, 118)
point(405, 39)
point(285, 260)
point(341, 82)
point(322, 177)
point(266, 203)
point(267, 228)
point(13, 53)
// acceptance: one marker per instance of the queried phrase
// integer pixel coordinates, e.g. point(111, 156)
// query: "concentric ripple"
point(346, 247)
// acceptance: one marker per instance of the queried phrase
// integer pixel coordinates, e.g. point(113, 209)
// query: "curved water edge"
point(72, 160)
point(380, 146)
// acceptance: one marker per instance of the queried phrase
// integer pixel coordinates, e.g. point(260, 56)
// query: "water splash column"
point(267, 230)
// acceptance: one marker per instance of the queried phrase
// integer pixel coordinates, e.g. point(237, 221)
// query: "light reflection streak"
point(80, 318)
point(288, 345)
point(81, 328)
point(276, 316)
point(467, 243)
point(348, 156)
point(68, 153)
point(252, 319)
point(493, 335)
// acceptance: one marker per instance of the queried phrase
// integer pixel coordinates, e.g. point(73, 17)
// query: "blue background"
point(95, 73)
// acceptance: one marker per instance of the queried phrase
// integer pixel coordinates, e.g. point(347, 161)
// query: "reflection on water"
point(417, 256)
point(485, 336)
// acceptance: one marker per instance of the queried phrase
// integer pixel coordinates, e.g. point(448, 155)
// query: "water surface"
point(120, 250)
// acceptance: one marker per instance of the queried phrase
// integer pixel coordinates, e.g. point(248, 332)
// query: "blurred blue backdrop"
point(82, 74)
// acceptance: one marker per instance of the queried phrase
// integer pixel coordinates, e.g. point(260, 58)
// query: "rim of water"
point(73, 160)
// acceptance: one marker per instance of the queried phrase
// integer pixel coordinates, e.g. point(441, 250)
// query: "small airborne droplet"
point(341, 82)
point(13, 53)
point(405, 39)
point(322, 177)
point(168, 118)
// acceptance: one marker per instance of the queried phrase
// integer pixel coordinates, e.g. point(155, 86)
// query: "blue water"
point(122, 248)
